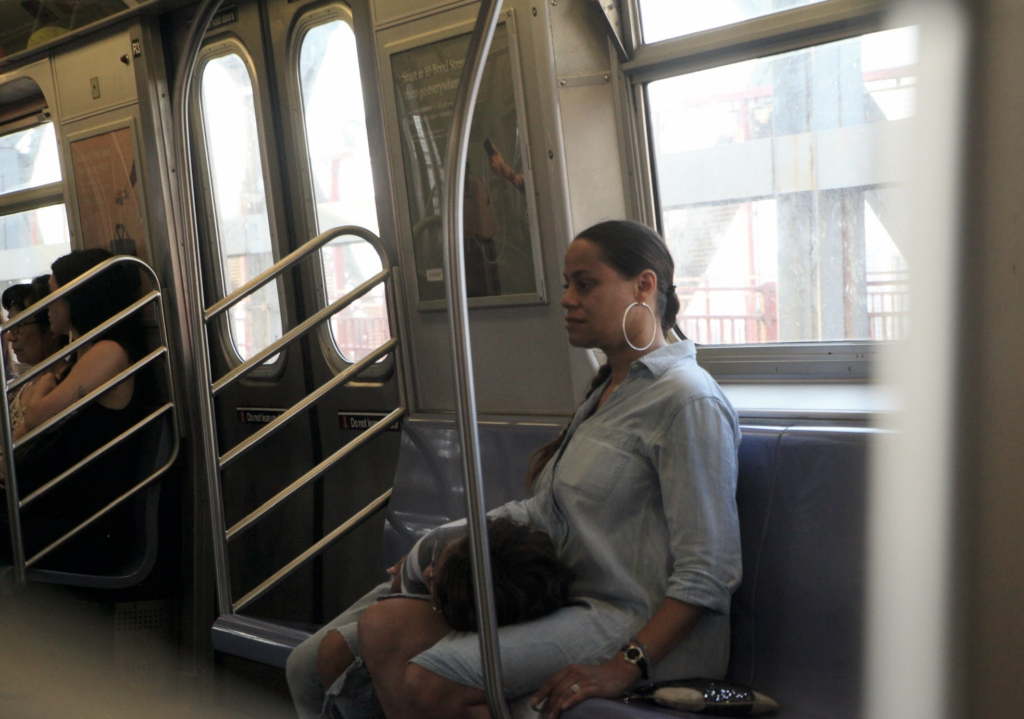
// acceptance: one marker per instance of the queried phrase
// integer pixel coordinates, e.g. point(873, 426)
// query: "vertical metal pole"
point(455, 274)
point(11, 482)
point(207, 443)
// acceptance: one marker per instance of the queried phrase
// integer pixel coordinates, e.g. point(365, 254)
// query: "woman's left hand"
point(577, 682)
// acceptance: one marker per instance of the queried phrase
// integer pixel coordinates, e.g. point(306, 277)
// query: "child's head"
point(529, 579)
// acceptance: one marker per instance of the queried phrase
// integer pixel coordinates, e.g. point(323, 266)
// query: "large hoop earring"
point(653, 336)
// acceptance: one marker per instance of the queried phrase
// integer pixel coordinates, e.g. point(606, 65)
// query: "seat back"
point(157, 441)
point(428, 480)
point(797, 619)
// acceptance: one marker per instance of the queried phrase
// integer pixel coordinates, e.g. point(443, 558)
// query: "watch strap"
point(636, 654)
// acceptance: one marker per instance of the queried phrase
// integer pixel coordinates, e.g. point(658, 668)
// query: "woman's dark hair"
point(102, 297)
point(530, 581)
point(629, 248)
point(23, 296)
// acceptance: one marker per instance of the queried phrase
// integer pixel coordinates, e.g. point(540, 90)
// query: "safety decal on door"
point(258, 415)
point(365, 420)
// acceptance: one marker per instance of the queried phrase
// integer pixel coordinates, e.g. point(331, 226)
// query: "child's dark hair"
point(530, 581)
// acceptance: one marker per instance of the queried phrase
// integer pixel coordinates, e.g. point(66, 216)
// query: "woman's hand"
point(577, 682)
point(38, 388)
point(396, 575)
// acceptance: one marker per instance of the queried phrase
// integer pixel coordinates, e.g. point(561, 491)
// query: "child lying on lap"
point(529, 579)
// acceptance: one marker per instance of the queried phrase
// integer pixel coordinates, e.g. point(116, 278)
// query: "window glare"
point(777, 200)
point(240, 202)
point(339, 161)
point(664, 19)
point(29, 159)
point(30, 241)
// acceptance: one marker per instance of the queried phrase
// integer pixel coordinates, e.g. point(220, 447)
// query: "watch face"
point(633, 654)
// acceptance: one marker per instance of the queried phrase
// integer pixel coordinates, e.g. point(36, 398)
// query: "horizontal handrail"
point(145, 422)
point(284, 263)
point(312, 474)
point(71, 286)
point(87, 337)
point(109, 384)
point(285, 571)
point(260, 357)
point(242, 447)
point(110, 507)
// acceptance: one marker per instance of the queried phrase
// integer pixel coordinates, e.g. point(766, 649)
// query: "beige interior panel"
point(76, 67)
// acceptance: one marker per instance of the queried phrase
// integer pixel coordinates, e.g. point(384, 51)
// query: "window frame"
point(308, 20)
point(773, 34)
point(218, 47)
point(41, 196)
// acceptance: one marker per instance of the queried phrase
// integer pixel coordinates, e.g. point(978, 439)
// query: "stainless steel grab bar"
point(285, 263)
point(105, 387)
point(211, 460)
point(9, 445)
point(263, 355)
point(272, 503)
point(287, 570)
point(186, 224)
point(144, 422)
point(87, 337)
point(346, 376)
point(455, 274)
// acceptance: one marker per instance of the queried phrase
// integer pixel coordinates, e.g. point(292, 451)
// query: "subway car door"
point(281, 154)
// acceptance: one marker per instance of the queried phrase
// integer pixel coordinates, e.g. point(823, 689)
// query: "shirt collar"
point(659, 361)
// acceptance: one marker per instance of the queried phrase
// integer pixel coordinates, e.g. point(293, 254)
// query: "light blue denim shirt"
point(641, 497)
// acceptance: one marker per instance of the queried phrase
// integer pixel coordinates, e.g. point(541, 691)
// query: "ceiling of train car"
point(27, 23)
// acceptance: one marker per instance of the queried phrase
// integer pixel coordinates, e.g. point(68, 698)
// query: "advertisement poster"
point(498, 246)
point(107, 186)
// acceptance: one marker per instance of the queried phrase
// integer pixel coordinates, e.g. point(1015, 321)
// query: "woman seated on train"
point(32, 341)
point(96, 362)
point(113, 412)
point(638, 495)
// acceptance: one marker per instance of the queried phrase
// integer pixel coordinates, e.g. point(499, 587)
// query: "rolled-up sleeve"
point(697, 465)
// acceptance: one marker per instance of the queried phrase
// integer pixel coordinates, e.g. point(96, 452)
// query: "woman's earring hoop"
point(653, 336)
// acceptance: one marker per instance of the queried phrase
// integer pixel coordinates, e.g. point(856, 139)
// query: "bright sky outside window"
point(339, 159)
point(782, 208)
point(29, 159)
point(240, 201)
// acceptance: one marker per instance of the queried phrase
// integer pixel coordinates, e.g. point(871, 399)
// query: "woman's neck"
point(621, 359)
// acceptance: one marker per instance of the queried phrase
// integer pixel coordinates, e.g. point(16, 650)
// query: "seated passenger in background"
point(97, 423)
point(529, 579)
point(32, 341)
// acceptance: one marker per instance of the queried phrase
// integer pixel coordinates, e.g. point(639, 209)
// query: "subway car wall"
point(835, 180)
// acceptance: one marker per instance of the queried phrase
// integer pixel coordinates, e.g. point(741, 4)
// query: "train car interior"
point(348, 220)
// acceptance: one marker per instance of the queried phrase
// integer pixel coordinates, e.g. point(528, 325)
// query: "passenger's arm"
point(669, 626)
point(100, 364)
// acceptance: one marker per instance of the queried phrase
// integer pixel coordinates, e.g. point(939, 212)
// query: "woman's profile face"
point(595, 297)
point(29, 340)
point(60, 312)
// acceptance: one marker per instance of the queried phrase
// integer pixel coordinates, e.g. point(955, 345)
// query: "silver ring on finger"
point(575, 688)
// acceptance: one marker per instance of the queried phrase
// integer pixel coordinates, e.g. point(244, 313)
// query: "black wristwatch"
point(636, 654)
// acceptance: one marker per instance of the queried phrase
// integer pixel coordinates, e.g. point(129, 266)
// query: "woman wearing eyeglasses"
point(32, 341)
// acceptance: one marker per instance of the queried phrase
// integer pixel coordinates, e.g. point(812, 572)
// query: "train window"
point(33, 221)
point(665, 19)
point(776, 199)
point(29, 159)
point(241, 215)
point(342, 181)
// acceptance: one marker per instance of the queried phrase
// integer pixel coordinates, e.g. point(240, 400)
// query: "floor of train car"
point(62, 655)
